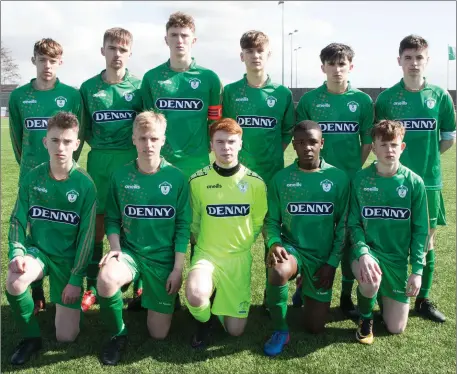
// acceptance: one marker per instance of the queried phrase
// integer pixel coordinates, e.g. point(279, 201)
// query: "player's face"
point(337, 71)
point(388, 152)
point(255, 59)
point(61, 144)
point(180, 40)
point(116, 54)
point(148, 141)
point(46, 66)
point(226, 147)
point(308, 145)
point(413, 62)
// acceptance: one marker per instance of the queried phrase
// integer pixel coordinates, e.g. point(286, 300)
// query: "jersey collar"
point(322, 163)
point(402, 84)
point(126, 75)
point(267, 82)
point(331, 93)
point(192, 65)
point(55, 86)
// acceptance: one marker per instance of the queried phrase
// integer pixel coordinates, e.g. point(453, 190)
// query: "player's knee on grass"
point(67, 324)
point(280, 274)
point(159, 324)
point(395, 315)
point(315, 315)
point(235, 326)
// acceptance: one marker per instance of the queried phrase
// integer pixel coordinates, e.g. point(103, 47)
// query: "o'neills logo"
point(54, 215)
point(113, 115)
point(149, 211)
point(312, 209)
point(257, 122)
point(179, 104)
point(419, 124)
point(36, 123)
point(339, 127)
point(385, 212)
point(228, 210)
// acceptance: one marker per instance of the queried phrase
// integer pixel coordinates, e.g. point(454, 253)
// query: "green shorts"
point(307, 268)
point(436, 211)
point(100, 165)
point(155, 296)
point(232, 281)
point(59, 273)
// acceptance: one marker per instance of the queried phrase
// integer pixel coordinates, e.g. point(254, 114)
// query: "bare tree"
point(10, 70)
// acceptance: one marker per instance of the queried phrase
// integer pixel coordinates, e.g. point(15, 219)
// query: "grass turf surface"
point(424, 347)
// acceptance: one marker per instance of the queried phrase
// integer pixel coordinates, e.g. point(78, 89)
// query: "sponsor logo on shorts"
point(322, 292)
point(54, 215)
point(312, 209)
point(326, 105)
point(243, 308)
point(402, 191)
point(339, 127)
point(399, 291)
point(241, 99)
point(40, 189)
point(164, 303)
point(256, 122)
point(214, 186)
point(149, 211)
point(228, 210)
point(132, 187)
point(400, 103)
point(29, 102)
point(296, 184)
point(36, 123)
point(371, 189)
point(385, 212)
point(179, 104)
point(103, 116)
point(419, 124)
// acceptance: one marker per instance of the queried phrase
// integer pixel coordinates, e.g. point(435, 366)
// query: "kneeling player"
point(58, 200)
point(228, 206)
point(388, 224)
point(307, 209)
point(147, 222)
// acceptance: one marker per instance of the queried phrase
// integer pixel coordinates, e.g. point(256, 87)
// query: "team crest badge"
point(128, 96)
point(430, 103)
point(165, 187)
point(72, 196)
point(402, 190)
point(61, 101)
point(243, 186)
point(194, 83)
point(271, 101)
point(326, 185)
point(352, 105)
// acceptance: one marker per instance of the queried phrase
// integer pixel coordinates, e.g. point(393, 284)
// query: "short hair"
point(180, 19)
point(306, 125)
point(225, 124)
point(387, 130)
point(412, 42)
point(48, 47)
point(63, 121)
point(149, 118)
point(253, 39)
point(119, 35)
point(336, 52)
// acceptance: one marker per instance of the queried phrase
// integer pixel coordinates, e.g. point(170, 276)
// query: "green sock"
point(138, 284)
point(37, 284)
point(201, 313)
point(92, 268)
point(346, 286)
point(277, 302)
point(111, 313)
point(22, 309)
point(427, 275)
point(365, 304)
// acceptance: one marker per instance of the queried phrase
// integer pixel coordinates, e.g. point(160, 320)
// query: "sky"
point(373, 29)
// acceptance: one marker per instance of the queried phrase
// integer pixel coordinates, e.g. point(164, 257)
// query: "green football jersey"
point(110, 110)
point(29, 112)
point(426, 115)
point(189, 100)
point(308, 211)
point(227, 211)
point(388, 217)
point(267, 117)
point(150, 212)
point(345, 119)
point(61, 215)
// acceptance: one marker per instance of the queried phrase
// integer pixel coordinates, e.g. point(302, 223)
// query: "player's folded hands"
point(117, 253)
point(17, 264)
point(174, 281)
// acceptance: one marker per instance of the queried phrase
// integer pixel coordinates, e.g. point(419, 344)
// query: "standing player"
point(427, 113)
point(111, 102)
point(147, 222)
point(263, 109)
point(30, 107)
point(307, 209)
point(228, 206)
point(345, 115)
point(387, 225)
point(187, 94)
point(57, 202)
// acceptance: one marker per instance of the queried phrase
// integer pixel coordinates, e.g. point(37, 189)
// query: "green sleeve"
point(302, 114)
point(273, 219)
point(146, 94)
point(113, 217)
point(215, 99)
point(86, 118)
point(379, 110)
point(341, 212)
point(259, 208)
point(226, 109)
point(419, 228)
point(367, 121)
point(16, 127)
point(18, 223)
point(288, 122)
point(196, 210)
point(447, 114)
point(183, 219)
point(357, 240)
point(79, 112)
point(86, 238)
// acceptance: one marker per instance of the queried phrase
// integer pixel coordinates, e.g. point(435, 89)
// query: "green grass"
point(424, 347)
